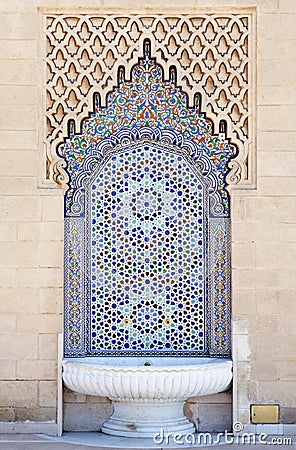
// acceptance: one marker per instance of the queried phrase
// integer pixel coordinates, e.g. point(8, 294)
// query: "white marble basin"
point(147, 393)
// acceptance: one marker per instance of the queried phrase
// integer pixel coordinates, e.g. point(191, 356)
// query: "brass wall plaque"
point(265, 413)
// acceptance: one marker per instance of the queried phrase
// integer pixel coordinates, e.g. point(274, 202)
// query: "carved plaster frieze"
point(211, 55)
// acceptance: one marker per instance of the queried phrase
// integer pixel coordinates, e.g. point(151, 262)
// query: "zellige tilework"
point(147, 257)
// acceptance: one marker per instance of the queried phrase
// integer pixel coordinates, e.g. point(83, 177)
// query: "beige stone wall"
point(31, 225)
point(31, 233)
point(264, 229)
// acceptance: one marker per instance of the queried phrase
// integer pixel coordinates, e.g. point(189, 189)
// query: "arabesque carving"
point(211, 56)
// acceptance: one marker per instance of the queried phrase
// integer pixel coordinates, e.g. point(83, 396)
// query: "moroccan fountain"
point(147, 255)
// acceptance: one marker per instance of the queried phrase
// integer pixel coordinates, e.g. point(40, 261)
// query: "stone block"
point(274, 164)
point(31, 5)
point(50, 254)
point(19, 50)
point(282, 22)
point(242, 347)
point(22, 140)
point(280, 118)
point(287, 6)
point(18, 26)
point(284, 325)
point(19, 393)
point(282, 392)
point(48, 346)
point(251, 392)
point(243, 415)
point(277, 95)
point(287, 370)
point(264, 369)
point(275, 49)
point(73, 397)
point(18, 117)
point(211, 417)
point(39, 323)
point(52, 208)
point(243, 383)
point(239, 208)
point(141, 8)
point(287, 232)
point(266, 231)
point(47, 393)
point(275, 72)
point(276, 141)
point(286, 24)
point(29, 231)
point(243, 302)
point(243, 232)
point(270, 209)
point(18, 346)
point(276, 255)
point(32, 428)
point(18, 254)
point(52, 231)
point(16, 300)
point(263, 325)
point(18, 185)
point(288, 415)
point(245, 278)
point(269, 429)
point(8, 276)
point(86, 417)
point(20, 208)
point(18, 95)
point(7, 415)
point(18, 163)
point(274, 348)
point(241, 325)
point(39, 277)
point(265, 5)
point(7, 323)
point(97, 400)
point(51, 300)
point(243, 255)
point(35, 414)
point(7, 369)
point(8, 7)
point(277, 186)
point(36, 370)
point(275, 301)
point(8, 231)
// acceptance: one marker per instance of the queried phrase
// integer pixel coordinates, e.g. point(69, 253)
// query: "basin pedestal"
point(144, 419)
point(147, 400)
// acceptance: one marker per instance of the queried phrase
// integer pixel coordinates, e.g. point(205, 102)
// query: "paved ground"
point(88, 441)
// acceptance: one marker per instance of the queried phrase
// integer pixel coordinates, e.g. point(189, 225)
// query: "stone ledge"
point(50, 428)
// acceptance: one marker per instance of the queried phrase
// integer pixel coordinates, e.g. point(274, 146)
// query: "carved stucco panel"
point(213, 53)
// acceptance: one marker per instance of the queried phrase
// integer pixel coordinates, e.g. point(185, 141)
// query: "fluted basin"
point(148, 394)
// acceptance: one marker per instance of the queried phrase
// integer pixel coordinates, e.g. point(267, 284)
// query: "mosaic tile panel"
point(147, 260)
point(219, 286)
point(147, 255)
point(146, 101)
point(74, 299)
point(167, 139)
